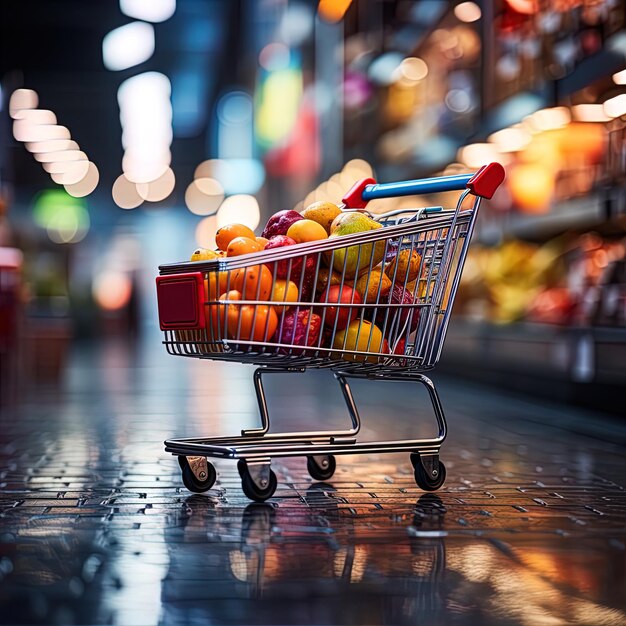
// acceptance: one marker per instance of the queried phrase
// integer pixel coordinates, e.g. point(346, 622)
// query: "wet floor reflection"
point(96, 527)
point(277, 563)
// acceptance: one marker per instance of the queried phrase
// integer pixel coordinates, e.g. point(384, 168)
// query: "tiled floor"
point(95, 526)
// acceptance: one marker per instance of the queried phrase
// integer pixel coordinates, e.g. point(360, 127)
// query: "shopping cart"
point(407, 273)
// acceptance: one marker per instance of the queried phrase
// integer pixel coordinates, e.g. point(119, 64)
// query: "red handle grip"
point(486, 180)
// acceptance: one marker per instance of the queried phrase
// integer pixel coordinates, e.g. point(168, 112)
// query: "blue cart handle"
point(482, 183)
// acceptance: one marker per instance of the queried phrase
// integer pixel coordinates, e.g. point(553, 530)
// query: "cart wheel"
point(241, 467)
point(252, 490)
point(427, 482)
point(192, 483)
point(323, 471)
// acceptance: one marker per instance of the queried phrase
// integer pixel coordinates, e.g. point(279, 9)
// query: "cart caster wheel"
point(252, 490)
point(426, 481)
point(192, 483)
point(322, 471)
point(241, 467)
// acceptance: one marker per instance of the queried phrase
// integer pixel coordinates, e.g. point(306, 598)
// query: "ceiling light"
point(616, 107)
point(589, 113)
point(148, 10)
point(620, 78)
point(128, 45)
point(22, 99)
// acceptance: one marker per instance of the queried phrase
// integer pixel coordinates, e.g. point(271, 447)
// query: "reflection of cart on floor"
point(270, 553)
point(393, 334)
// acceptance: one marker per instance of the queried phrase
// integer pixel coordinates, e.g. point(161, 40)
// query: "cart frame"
point(254, 448)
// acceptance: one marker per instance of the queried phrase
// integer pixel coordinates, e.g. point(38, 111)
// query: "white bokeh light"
point(148, 10)
point(127, 46)
point(239, 209)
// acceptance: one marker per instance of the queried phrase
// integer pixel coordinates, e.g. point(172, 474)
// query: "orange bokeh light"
point(333, 10)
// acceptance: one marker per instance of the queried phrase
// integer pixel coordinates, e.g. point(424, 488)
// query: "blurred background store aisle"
point(130, 130)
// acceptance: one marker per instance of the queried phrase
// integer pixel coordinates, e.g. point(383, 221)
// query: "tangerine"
point(255, 322)
point(255, 283)
point(284, 291)
point(243, 245)
point(227, 233)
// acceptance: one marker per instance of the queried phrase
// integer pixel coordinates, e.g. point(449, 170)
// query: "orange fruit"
point(243, 245)
point(306, 230)
point(255, 283)
point(227, 233)
point(255, 322)
point(262, 240)
point(216, 284)
point(221, 316)
point(284, 291)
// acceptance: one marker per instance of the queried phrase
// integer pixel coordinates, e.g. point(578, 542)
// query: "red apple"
point(400, 346)
point(400, 295)
point(298, 328)
point(282, 267)
point(280, 222)
point(342, 315)
point(308, 281)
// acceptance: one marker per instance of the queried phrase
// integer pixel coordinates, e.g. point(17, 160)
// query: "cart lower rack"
point(372, 305)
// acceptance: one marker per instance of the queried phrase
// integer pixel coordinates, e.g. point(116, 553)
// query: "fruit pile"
point(349, 298)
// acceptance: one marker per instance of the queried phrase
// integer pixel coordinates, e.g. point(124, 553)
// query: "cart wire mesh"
point(400, 279)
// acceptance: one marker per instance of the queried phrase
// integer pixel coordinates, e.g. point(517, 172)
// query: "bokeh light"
point(234, 175)
point(68, 172)
point(275, 56)
point(204, 196)
point(333, 10)
point(158, 189)
point(24, 130)
point(412, 69)
point(60, 156)
point(125, 193)
point(146, 117)
point(53, 145)
point(112, 289)
point(476, 155)
point(205, 232)
point(616, 107)
point(239, 209)
point(64, 217)
point(85, 186)
point(127, 46)
point(467, 12)
point(22, 99)
point(510, 139)
point(589, 113)
point(36, 116)
point(148, 10)
point(548, 119)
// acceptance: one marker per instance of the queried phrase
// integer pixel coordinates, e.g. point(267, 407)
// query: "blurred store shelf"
point(578, 213)
point(582, 365)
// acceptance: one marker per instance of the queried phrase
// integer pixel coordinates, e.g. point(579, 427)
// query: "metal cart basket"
point(374, 305)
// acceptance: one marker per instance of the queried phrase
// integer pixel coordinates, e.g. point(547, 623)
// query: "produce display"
point(572, 280)
point(353, 298)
